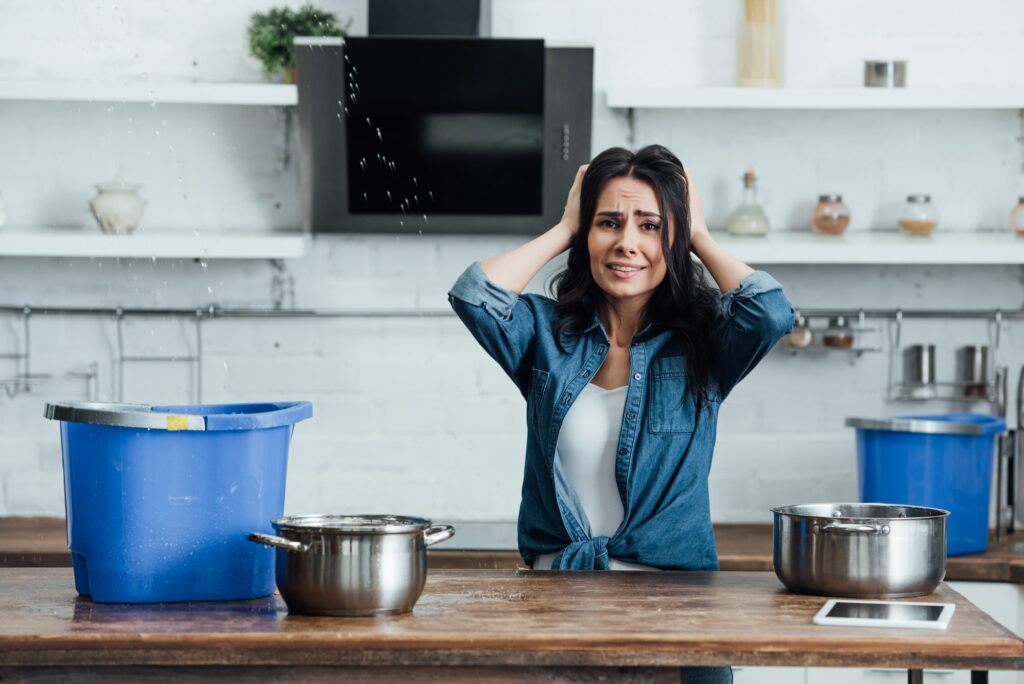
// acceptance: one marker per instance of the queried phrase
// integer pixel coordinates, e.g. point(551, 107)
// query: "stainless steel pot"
point(864, 550)
point(352, 565)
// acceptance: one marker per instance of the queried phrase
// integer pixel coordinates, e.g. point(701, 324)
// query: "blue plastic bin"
point(942, 461)
point(159, 499)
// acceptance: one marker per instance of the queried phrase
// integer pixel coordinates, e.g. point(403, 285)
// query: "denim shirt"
point(664, 450)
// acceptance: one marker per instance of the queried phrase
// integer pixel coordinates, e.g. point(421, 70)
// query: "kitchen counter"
point(41, 542)
point(470, 624)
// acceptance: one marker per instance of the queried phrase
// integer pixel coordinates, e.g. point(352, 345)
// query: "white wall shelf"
point(146, 245)
point(815, 98)
point(258, 94)
point(876, 247)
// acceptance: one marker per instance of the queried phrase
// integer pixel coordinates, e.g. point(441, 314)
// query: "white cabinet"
point(768, 675)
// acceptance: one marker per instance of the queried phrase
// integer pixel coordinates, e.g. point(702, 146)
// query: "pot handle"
point(279, 542)
point(438, 533)
point(854, 528)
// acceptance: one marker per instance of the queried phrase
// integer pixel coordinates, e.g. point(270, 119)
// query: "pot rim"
point(914, 512)
point(337, 524)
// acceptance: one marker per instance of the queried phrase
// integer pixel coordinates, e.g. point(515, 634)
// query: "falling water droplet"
point(352, 96)
point(339, 116)
point(355, 71)
point(389, 195)
point(365, 198)
point(425, 221)
point(379, 136)
point(414, 182)
point(431, 195)
point(368, 122)
point(346, 110)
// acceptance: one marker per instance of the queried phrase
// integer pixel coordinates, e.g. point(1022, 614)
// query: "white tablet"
point(858, 613)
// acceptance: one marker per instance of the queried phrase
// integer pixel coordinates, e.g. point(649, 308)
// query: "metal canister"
point(882, 74)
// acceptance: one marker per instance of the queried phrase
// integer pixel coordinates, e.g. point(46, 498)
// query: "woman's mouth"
point(623, 271)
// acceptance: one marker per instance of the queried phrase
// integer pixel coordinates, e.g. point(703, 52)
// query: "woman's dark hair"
point(683, 301)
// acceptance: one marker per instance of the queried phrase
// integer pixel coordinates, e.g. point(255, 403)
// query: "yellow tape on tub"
point(177, 422)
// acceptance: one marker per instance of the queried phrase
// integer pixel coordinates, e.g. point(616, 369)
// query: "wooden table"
point(471, 625)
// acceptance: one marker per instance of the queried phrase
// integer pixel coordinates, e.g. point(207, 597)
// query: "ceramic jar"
point(117, 207)
point(831, 216)
point(1016, 218)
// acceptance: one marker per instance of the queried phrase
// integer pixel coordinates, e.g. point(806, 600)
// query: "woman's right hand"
point(571, 215)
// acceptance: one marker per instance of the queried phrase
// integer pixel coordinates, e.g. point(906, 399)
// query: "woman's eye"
point(607, 223)
point(651, 226)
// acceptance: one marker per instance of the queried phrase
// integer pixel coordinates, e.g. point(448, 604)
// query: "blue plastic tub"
point(942, 461)
point(160, 499)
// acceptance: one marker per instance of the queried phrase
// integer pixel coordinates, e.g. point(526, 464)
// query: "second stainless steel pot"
point(860, 550)
point(352, 565)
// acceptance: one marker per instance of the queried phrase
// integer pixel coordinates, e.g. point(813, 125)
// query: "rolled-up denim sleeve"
point(752, 318)
point(503, 322)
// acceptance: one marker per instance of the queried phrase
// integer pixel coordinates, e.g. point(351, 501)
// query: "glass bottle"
point(801, 336)
point(831, 216)
point(1016, 218)
point(759, 63)
point(919, 215)
point(839, 334)
point(749, 217)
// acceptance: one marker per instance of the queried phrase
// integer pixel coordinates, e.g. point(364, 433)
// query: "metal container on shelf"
point(972, 370)
point(919, 371)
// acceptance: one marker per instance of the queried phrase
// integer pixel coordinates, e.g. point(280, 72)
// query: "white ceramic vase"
point(117, 207)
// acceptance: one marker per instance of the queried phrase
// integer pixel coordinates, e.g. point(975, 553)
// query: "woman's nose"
point(628, 238)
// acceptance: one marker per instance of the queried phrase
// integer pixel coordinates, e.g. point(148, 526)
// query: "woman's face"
point(624, 242)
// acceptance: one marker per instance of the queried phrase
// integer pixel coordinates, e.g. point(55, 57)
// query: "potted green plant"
point(271, 35)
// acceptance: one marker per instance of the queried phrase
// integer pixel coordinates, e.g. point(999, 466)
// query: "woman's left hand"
point(698, 226)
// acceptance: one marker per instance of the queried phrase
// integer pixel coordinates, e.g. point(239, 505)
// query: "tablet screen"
point(886, 611)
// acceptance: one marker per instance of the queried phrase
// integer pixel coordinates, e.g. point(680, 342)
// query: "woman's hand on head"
point(698, 226)
point(571, 215)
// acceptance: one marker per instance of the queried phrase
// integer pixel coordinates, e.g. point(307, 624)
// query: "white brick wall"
point(411, 415)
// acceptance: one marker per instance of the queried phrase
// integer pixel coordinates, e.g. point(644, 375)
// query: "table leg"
point(915, 676)
point(979, 676)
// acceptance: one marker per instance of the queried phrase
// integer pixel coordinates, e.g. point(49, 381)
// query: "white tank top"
point(586, 449)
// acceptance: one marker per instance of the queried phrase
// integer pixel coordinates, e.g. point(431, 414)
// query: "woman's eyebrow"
point(618, 214)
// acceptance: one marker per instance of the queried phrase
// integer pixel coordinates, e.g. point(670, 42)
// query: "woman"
point(624, 371)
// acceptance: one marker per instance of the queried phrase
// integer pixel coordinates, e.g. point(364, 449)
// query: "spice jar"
point(1017, 218)
point(831, 216)
point(919, 215)
point(801, 336)
point(839, 334)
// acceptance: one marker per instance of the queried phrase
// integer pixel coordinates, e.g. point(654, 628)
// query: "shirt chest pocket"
point(671, 407)
point(538, 386)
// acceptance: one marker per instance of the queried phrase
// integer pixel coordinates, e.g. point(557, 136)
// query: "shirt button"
point(630, 416)
point(637, 377)
point(601, 349)
point(585, 374)
point(622, 452)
